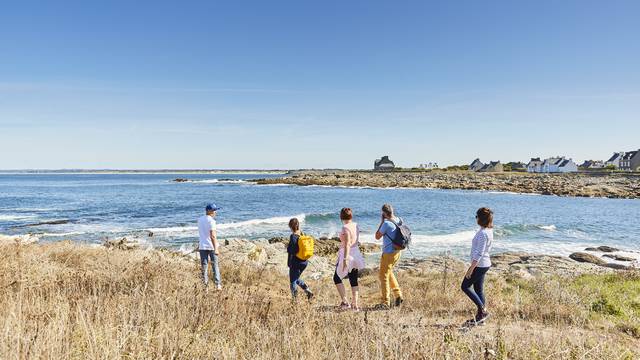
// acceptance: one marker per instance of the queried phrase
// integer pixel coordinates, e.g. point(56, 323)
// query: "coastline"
point(616, 186)
point(97, 301)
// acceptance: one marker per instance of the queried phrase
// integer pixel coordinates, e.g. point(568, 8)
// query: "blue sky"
point(290, 84)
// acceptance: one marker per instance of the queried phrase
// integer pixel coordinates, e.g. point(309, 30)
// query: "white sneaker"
point(218, 287)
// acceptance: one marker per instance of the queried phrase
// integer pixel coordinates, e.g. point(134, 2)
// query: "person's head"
point(346, 214)
point(294, 225)
point(387, 211)
point(484, 217)
point(211, 209)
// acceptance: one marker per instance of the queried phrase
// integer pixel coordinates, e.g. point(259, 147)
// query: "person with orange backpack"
point(300, 249)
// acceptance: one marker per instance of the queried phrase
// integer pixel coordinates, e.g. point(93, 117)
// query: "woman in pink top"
point(350, 260)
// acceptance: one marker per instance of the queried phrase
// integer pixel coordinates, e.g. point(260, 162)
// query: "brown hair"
point(485, 217)
point(387, 209)
point(346, 214)
point(294, 224)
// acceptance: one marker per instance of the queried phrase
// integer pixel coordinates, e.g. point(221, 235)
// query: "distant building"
point(630, 161)
point(428, 166)
point(558, 164)
point(383, 163)
point(534, 165)
point(615, 159)
point(476, 165)
point(592, 164)
point(492, 166)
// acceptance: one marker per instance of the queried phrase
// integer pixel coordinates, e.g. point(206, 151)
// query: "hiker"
point(387, 230)
point(208, 246)
point(350, 260)
point(480, 264)
point(295, 264)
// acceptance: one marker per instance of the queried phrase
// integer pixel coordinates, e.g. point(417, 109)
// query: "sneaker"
point(345, 306)
point(309, 295)
point(481, 317)
point(219, 287)
point(381, 306)
point(399, 301)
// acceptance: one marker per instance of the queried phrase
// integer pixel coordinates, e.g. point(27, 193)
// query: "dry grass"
point(66, 301)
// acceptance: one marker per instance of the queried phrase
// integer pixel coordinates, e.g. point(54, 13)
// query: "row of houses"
point(625, 160)
point(558, 164)
point(628, 161)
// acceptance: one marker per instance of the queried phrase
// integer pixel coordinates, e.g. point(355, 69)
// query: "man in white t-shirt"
point(208, 246)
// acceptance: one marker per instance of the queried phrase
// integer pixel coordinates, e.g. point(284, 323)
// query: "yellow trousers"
point(387, 279)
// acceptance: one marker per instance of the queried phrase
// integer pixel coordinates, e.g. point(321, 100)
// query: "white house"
point(558, 164)
point(534, 165)
point(615, 159)
point(567, 165)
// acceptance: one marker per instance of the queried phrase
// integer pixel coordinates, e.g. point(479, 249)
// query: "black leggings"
point(353, 278)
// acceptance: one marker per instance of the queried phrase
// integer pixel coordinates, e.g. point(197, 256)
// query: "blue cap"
point(212, 207)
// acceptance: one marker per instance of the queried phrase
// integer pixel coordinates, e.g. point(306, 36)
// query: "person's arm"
point(382, 229)
point(214, 241)
point(478, 248)
point(347, 235)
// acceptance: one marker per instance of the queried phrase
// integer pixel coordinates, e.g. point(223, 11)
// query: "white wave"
point(493, 192)
point(229, 226)
point(253, 222)
point(548, 227)
point(462, 237)
point(173, 229)
point(218, 181)
point(15, 217)
point(71, 233)
point(418, 240)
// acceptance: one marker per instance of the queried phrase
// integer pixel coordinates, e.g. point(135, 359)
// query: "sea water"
point(94, 207)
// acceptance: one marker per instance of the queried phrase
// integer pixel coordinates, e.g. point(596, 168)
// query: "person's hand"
point(344, 264)
point(216, 251)
point(468, 274)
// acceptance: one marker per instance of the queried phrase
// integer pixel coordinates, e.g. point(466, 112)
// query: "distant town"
point(619, 161)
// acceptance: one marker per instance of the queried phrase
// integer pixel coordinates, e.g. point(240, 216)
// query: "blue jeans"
point(477, 282)
point(295, 271)
point(204, 264)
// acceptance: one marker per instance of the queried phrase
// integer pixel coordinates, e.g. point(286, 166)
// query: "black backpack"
point(403, 235)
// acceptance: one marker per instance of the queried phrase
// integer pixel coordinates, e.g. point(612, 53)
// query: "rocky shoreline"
point(578, 184)
point(272, 254)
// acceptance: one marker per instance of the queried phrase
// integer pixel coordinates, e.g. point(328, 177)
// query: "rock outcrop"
point(576, 184)
point(588, 258)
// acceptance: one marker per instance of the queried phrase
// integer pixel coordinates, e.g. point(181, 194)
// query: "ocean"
point(92, 207)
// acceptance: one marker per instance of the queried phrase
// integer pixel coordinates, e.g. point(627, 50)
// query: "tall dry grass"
point(66, 301)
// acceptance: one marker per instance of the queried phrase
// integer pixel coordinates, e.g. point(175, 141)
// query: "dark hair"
point(346, 214)
point(294, 224)
point(387, 209)
point(485, 217)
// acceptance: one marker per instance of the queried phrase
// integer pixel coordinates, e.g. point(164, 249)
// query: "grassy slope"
point(67, 301)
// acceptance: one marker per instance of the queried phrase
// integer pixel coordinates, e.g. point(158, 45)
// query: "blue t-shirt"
point(389, 230)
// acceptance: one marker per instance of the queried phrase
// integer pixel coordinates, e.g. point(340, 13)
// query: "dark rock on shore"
point(122, 243)
point(618, 266)
point(618, 257)
point(52, 222)
point(603, 248)
point(180, 180)
point(588, 258)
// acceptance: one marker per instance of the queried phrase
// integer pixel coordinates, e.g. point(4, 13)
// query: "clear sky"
point(291, 84)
